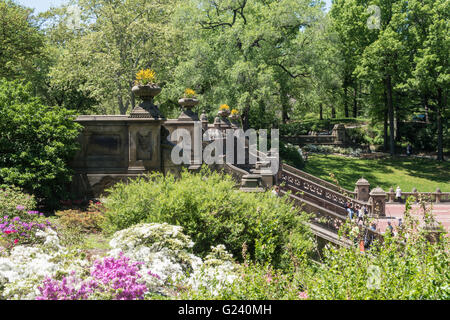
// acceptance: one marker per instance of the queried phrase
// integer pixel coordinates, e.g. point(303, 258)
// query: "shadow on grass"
point(377, 172)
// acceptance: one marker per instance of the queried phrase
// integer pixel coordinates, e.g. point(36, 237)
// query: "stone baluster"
point(362, 189)
point(378, 201)
point(391, 195)
point(438, 195)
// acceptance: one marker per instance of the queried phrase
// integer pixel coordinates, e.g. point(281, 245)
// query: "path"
point(395, 211)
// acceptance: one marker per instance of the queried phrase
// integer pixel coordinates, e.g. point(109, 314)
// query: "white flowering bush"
point(26, 267)
point(166, 252)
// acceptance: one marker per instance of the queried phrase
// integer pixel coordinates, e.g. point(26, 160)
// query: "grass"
point(408, 173)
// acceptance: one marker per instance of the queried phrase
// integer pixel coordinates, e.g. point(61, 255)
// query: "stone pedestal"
point(378, 202)
point(339, 134)
point(362, 189)
point(251, 183)
point(144, 146)
point(188, 114)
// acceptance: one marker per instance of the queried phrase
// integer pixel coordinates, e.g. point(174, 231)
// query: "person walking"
point(409, 149)
point(389, 228)
point(398, 194)
point(350, 211)
point(360, 215)
point(276, 191)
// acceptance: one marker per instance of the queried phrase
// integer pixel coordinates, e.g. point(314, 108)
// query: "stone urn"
point(234, 120)
point(146, 109)
point(188, 104)
point(224, 113)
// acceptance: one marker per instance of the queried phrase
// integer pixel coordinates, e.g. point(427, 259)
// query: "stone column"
point(144, 146)
point(378, 200)
point(339, 133)
point(362, 189)
point(391, 195)
point(438, 195)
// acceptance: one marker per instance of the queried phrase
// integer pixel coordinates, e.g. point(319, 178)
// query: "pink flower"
point(303, 295)
point(19, 207)
point(15, 241)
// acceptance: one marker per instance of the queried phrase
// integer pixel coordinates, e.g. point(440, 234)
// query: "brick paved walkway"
point(395, 211)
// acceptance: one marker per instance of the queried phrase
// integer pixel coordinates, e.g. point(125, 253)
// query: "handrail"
point(317, 180)
point(327, 219)
point(298, 183)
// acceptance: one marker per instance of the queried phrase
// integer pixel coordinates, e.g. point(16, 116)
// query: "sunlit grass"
point(408, 173)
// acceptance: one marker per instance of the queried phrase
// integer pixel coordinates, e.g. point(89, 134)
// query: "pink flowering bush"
point(15, 231)
point(111, 278)
point(13, 201)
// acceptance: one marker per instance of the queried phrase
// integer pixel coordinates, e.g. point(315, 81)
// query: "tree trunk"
point(385, 123)
point(345, 101)
point(333, 112)
point(320, 112)
point(425, 105)
point(388, 85)
point(122, 108)
point(440, 155)
point(355, 101)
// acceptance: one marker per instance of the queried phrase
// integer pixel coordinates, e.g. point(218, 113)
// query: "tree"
point(114, 40)
point(36, 143)
point(253, 55)
point(431, 74)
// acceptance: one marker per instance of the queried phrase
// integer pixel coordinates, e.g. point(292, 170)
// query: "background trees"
point(275, 61)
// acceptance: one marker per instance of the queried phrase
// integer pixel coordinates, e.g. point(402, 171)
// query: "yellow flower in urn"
point(145, 77)
point(189, 93)
point(224, 107)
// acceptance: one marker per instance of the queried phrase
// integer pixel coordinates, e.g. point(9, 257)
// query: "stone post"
point(187, 104)
point(391, 195)
point(438, 195)
point(378, 200)
point(362, 189)
point(204, 120)
point(339, 134)
point(251, 183)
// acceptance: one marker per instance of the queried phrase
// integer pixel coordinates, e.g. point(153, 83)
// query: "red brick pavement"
point(395, 211)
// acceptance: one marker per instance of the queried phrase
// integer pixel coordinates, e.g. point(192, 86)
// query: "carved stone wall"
point(116, 148)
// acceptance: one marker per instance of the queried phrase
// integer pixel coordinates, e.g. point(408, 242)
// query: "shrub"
point(87, 221)
point(36, 143)
point(212, 212)
point(14, 231)
point(404, 266)
point(291, 155)
point(116, 279)
point(12, 200)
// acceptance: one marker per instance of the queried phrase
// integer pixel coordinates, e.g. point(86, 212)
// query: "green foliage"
point(20, 42)
point(255, 282)
point(304, 127)
point(36, 143)
point(212, 212)
point(89, 221)
point(11, 198)
point(357, 136)
point(290, 154)
point(404, 266)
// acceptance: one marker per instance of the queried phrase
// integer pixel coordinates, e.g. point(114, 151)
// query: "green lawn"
point(425, 175)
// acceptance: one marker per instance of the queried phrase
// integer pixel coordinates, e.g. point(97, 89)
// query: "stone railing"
point(310, 139)
point(321, 195)
point(337, 137)
point(319, 181)
point(329, 221)
point(436, 196)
